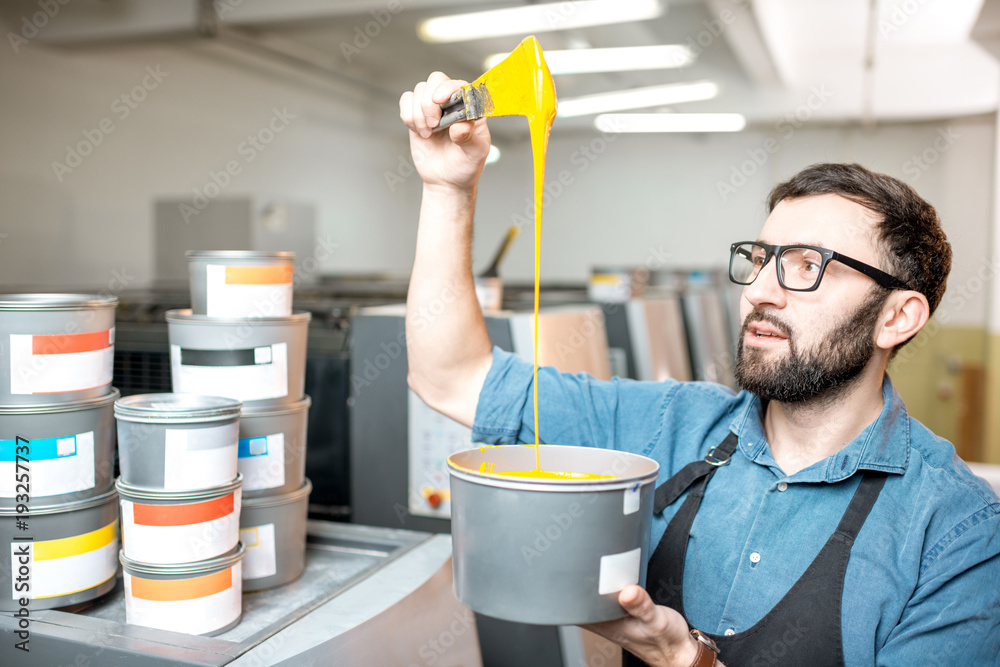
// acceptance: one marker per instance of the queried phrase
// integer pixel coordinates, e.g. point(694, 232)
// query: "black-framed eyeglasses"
point(800, 268)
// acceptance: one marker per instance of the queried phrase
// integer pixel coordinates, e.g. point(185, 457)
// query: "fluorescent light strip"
point(624, 59)
point(638, 98)
point(535, 19)
point(670, 122)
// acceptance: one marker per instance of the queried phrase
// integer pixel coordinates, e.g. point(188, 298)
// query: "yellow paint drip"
point(487, 468)
point(521, 85)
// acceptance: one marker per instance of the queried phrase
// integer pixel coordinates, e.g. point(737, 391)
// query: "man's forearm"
point(448, 347)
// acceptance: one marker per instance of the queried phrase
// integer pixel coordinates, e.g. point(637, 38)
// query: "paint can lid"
point(52, 408)
point(230, 255)
point(185, 316)
point(47, 302)
point(169, 571)
point(169, 497)
point(176, 408)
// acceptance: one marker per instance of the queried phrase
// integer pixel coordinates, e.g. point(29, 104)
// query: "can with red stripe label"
point(241, 283)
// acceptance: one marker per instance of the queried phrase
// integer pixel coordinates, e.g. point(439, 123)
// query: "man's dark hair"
point(909, 231)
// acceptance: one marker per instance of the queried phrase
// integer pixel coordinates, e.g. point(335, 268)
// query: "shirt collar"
point(882, 445)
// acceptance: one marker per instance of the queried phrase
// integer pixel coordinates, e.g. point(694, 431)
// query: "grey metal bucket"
point(241, 283)
point(261, 362)
point(272, 451)
point(55, 348)
point(273, 529)
point(549, 552)
point(174, 527)
point(71, 557)
point(177, 442)
point(70, 447)
point(203, 598)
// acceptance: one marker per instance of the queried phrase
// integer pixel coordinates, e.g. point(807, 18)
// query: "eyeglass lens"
point(799, 267)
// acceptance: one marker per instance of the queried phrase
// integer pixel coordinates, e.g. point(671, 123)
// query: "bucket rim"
point(280, 499)
point(46, 301)
point(552, 485)
point(59, 508)
point(222, 562)
point(176, 408)
point(185, 316)
point(128, 491)
point(51, 408)
point(195, 255)
point(277, 411)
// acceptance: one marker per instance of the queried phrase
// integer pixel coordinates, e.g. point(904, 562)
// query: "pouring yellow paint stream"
point(521, 85)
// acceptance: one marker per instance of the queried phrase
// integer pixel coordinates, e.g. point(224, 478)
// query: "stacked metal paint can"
point(242, 340)
point(180, 511)
point(58, 505)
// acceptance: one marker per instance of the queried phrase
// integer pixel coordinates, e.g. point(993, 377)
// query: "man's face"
point(798, 346)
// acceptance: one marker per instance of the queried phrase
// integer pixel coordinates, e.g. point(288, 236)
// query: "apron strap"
point(671, 489)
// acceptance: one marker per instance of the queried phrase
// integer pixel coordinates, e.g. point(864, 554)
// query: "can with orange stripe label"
point(172, 527)
point(55, 348)
point(241, 283)
point(203, 598)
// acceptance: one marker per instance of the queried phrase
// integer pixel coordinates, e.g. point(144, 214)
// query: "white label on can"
point(195, 606)
point(619, 571)
point(199, 458)
point(251, 382)
point(260, 559)
point(248, 291)
point(50, 568)
point(52, 364)
point(631, 501)
point(58, 465)
point(262, 462)
point(181, 533)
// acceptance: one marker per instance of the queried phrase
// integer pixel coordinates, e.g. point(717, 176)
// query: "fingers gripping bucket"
point(273, 529)
point(55, 348)
point(69, 448)
point(241, 283)
point(203, 598)
point(71, 558)
point(258, 361)
point(172, 527)
point(272, 450)
point(550, 552)
point(177, 442)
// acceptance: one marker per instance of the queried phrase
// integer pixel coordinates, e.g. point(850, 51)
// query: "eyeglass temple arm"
point(881, 277)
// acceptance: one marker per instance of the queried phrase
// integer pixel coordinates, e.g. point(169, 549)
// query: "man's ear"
point(903, 316)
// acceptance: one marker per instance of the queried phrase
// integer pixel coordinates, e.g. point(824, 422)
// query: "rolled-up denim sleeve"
point(953, 617)
point(573, 409)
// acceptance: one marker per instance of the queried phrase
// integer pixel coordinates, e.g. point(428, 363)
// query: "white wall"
point(635, 199)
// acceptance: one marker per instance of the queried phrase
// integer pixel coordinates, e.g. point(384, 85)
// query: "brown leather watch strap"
point(707, 650)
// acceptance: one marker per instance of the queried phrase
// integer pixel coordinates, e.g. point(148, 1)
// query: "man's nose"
point(765, 289)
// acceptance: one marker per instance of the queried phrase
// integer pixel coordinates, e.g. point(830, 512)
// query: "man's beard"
point(821, 372)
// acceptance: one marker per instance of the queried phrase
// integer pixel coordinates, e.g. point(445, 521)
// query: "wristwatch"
point(707, 650)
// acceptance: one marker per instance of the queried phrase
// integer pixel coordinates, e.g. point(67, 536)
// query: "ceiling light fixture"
point(670, 122)
point(493, 155)
point(535, 19)
point(638, 98)
point(623, 59)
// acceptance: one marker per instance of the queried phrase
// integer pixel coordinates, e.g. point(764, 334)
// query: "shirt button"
point(782, 486)
point(755, 557)
point(730, 632)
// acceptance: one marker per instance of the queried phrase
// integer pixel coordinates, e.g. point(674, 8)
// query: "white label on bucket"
point(262, 462)
point(619, 571)
point(182, 605)
point(199, 458)
point(165, 538)
point(58, 465)
point(51, 364)
point(252, 382)
point(66, 565)
point(248, 291)
point(260, 560)
point(631, 502)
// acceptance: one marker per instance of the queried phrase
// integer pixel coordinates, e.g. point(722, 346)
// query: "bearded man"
point(818, 524)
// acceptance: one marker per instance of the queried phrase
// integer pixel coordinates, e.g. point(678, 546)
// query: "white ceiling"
point(772, 57)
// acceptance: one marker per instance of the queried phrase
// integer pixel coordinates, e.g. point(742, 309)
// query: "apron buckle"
point(712, 461)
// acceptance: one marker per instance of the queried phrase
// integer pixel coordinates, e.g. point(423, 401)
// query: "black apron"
point(804, 627)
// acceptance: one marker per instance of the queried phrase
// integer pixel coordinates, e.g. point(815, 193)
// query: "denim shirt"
point(923, 581)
